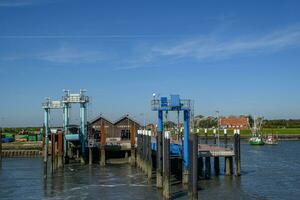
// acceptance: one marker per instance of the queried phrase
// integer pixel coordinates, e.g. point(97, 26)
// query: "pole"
point(46, 124)
point(225, 138)
point(205, 131)
point(166, 166)
point(66, 124)
point(193, 174)
point(83, 130)
point(186, 147)
point(102, 145)
point(237, 153)
point(149, 157)
point(159, 136)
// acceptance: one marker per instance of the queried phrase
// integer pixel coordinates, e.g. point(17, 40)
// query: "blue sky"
point(234, 56)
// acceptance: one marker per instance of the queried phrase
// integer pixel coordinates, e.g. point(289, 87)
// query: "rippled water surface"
point(268, 172)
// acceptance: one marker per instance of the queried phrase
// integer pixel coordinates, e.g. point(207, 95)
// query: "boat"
point(271, 140)
point(256, 138)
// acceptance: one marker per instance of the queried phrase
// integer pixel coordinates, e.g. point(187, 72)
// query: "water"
point(268, 172)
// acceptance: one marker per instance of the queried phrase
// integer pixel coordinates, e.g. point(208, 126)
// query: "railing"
point(156, 104)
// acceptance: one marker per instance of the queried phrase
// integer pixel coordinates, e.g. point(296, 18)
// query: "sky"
point(237, 57)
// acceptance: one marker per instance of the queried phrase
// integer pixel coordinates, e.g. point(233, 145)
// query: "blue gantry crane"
point(174, 103)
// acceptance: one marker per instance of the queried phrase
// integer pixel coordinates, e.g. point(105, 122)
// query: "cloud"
point(62, 55)
point(214, 48)
point(20, 3)
point(68, 55)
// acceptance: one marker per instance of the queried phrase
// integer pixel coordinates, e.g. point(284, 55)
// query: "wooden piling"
point(149, 157)
point(237, 157)
point(207, 168)
point(90, 155)
point(227, 166)
point(217, 166)
point(102, 145)
point(52, 152)
point(166, 166)
point(193, 167)
point(132, 142)
point(200, 167)
point(60, 149)
point(159, 182)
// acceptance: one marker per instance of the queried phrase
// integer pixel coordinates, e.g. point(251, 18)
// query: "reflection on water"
point(268, 172)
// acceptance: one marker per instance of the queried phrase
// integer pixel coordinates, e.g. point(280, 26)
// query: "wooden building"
point(124, 129)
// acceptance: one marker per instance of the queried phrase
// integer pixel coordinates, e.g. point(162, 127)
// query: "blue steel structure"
point(65, 105)
point(174, 103)
point(83, 100)
point(47, 106)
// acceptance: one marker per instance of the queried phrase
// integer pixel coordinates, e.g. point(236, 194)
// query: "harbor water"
point(268, 172)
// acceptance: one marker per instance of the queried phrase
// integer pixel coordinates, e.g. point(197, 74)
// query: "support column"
point(225, 138)
point(217, 166)
point(159, 163)
point(185, 172)
point(205, 132)
point(52, 152)
point(149, 156)
point(132, 142)
point(237, 154)
point(102, 145)
point(46, 125)
point(193, 166)
point(227, 166)
point(166, 166)
point(207, 168)
point(200, 167)
point(60, 150)
point(90, 155)
point(66, 131)
point(83, 130)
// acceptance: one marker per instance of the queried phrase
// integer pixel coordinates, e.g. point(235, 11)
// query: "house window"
point(125, 134)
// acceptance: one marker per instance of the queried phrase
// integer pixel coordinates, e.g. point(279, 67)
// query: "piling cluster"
point(56, 152)
point(144, 152)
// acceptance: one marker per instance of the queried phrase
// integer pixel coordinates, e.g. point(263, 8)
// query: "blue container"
point(7, 140)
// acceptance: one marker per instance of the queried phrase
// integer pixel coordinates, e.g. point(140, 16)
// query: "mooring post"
point(66, 124)
point(90, 156)
point(60, 149)
point(138, 149)
point(166, 166)
point(237, 153)
point(185, 171)
point(207, 167)
point(52, 152)
point(217, 165)
point(56, 151)
point(193, 167)
point(149, 157)
point(205, 132)
point(159, 141)
point(46, 125)
point(215, 136)
point(225, 138)
point(132, 142)
point(102, 145)
point(200, 166)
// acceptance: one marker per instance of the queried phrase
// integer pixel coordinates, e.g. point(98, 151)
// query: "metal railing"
point(185, 104)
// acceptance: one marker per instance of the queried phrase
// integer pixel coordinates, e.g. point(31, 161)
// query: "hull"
point(256, 141)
